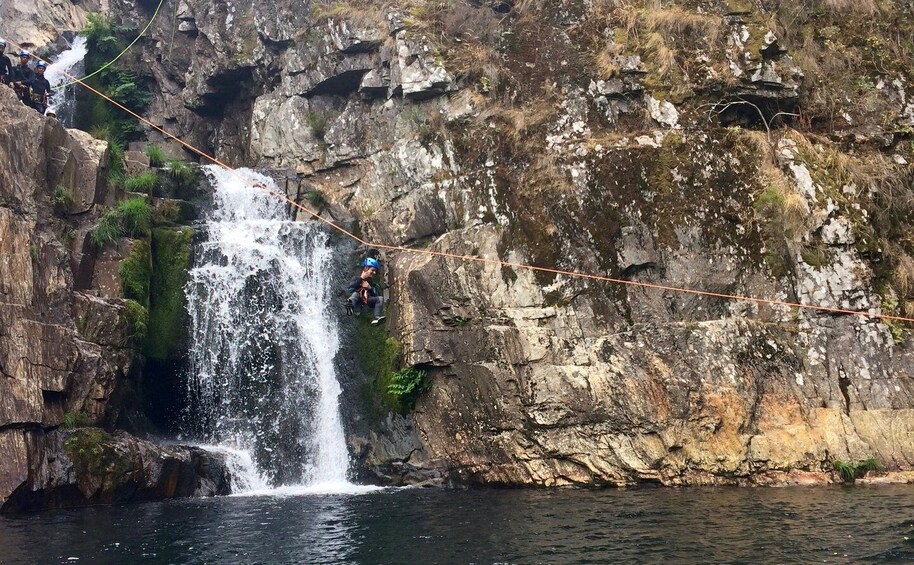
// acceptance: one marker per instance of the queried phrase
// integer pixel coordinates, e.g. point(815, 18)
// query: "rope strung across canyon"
point(497, 262)
point(119, 55)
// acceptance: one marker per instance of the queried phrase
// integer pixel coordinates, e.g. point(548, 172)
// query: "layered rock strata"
point(608, 139)
point(67, 338)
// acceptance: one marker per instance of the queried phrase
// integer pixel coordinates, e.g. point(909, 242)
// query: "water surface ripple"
point(770, 525)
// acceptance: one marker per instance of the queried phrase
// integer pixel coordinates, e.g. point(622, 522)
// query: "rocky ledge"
point(90, 466)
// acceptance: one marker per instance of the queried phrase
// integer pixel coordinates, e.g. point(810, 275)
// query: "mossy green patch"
point(136, 321)
point(95, 456)
point(171, 251)
point(378, 357)
point(136, 272)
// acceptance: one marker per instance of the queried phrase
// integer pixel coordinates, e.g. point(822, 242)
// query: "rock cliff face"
point(66, 338)
point(755, 149)
point(32, 24)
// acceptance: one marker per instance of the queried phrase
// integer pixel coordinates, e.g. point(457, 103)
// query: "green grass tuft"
point(846, 470)
point(157, 157)
point(106, 231)
point(136, 216)
point(144, 182)
point(63, 199)
point(850, 472)
point(136, 318)
point(182, 172)
point(75, 419)
point(132, 217)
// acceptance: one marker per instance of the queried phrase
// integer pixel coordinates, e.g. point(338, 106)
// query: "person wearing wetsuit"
point(6, 66)
point(39, 89)
point(22, 77)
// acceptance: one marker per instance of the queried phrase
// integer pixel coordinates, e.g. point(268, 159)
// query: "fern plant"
point(407, 385)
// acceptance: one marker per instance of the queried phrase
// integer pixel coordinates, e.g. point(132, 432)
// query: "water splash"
point(69, 64)
point(243, 472)
point(262, 338)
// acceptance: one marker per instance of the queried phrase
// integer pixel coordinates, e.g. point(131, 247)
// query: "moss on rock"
point(95, 457)
point(171, 249)
point(136, 271)
point(378, 356)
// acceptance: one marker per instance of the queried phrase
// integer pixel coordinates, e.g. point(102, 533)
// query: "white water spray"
point(262, 338)
point(69, 64)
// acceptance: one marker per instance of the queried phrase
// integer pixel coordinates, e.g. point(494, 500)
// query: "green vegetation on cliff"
point(105, 40)
point(408, 385)
point(95, 456)
point(132, 217)
point(136, 271)
point(171, 249)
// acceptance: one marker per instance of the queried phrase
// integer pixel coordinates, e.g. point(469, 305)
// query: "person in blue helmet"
point(6, 66)
point(22, 77)
point(364, 292)
point(39, 89)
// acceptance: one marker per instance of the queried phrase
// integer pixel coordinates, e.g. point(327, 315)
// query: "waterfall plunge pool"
point(645, 525)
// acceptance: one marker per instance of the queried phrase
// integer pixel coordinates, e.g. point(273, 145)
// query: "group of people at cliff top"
point(30, 85)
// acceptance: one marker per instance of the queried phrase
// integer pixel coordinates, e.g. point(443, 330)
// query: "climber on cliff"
point(39, 89)
point(22, 76)
point(364, 292)
point(6, 66)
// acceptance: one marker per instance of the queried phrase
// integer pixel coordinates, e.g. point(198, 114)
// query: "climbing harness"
point(499, 262)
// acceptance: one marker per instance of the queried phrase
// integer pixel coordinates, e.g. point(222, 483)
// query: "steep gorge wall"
point(67, 338)
point(36, 24)
point(751, 149)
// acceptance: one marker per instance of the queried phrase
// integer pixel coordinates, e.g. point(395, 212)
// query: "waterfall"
point(69, 64)
point(262, 374)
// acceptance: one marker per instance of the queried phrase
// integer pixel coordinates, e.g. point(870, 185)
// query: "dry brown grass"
point(545, 174)
point(866, 7)
point(605, 61)
point(663, 36)
point(784, 204)
point(678, 23)
point(364, 13)
point(903, 275)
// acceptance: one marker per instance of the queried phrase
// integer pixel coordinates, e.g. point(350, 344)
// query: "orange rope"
point(477, 259)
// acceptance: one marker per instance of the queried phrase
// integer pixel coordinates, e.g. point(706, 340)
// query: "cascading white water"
point(69, 64)
point(262, 376)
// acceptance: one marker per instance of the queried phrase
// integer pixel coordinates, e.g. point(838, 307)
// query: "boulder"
point(90, 466)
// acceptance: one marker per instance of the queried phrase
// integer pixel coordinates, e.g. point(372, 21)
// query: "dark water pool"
point(770, 525)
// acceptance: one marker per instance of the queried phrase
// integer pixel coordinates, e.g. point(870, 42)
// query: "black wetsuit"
point(23, 75)
point(40, 90)
point(6, 69)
